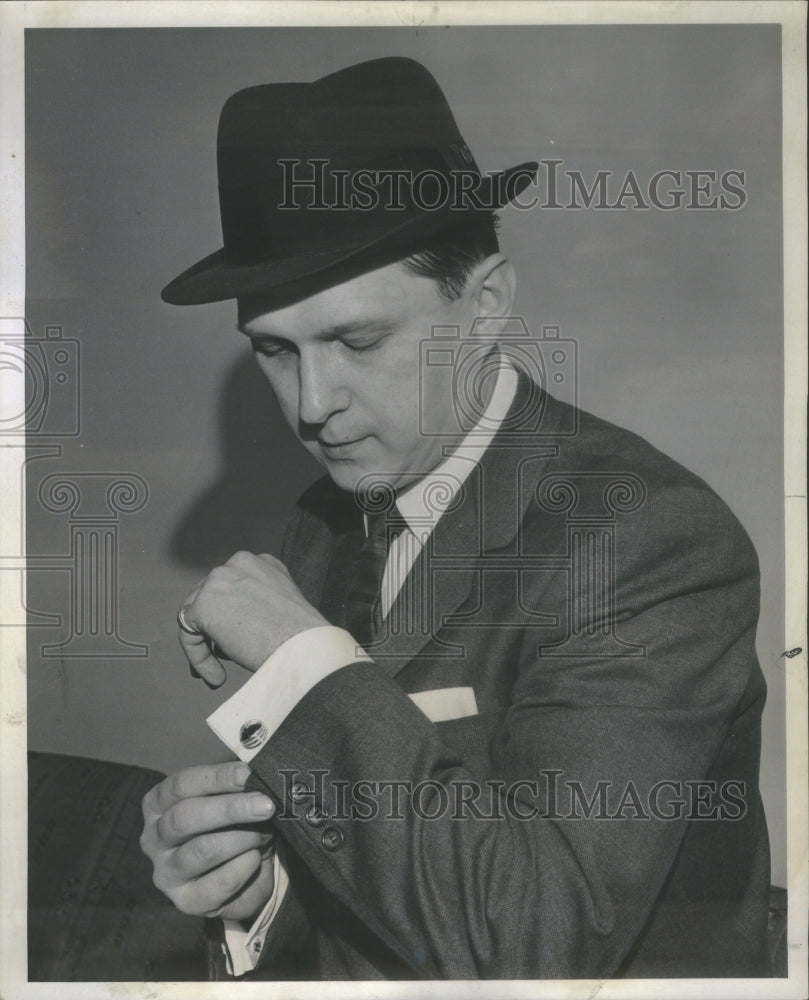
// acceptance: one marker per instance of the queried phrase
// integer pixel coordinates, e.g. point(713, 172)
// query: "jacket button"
point(314, 817)
point(331, 838)
point(299, 791)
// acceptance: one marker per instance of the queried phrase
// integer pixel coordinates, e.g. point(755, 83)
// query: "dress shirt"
point(250, 717)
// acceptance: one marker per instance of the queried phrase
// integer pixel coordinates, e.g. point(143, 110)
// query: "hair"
point(451, 256)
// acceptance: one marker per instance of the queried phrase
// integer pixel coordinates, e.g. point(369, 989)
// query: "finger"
point(185, 607)
point(195, 781)
point(191, 817)
point(242, 559)
point(274, 562)
point(202, 854)
point(271, 559)
point(194, 626)
point(202, 661)
point(210, 894)
point(252, 898)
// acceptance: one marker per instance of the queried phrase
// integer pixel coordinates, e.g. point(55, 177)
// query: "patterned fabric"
point(777, 931)
point(663, 688)
point(364, 607)
point(93, 912)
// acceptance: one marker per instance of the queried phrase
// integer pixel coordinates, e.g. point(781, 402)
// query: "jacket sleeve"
point(538, 889)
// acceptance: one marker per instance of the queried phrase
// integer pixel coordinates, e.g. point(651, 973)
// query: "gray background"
point(678, 315)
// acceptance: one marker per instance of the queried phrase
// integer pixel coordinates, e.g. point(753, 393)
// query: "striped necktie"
point(363, 614)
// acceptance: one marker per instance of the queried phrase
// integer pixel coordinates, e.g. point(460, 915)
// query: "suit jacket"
point(601, 602)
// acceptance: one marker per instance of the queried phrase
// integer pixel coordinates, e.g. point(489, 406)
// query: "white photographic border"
point(14, 18)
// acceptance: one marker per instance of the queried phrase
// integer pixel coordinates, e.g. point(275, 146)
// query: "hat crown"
point(356, 117)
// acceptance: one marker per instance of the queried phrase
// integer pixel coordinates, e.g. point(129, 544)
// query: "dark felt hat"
point(356, 166)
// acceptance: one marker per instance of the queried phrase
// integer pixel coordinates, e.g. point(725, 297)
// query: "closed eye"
point(358, 339)
point(271, 348)
point(366, 343)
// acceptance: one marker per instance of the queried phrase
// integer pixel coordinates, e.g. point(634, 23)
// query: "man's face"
point(344, 365)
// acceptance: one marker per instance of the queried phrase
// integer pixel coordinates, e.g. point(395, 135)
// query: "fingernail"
point(241, 774)
point(261, 807)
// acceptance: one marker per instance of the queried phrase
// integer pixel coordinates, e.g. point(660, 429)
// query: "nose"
point(321, 392)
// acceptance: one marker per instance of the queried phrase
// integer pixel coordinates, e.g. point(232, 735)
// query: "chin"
point(349, 476)
point(344, 477)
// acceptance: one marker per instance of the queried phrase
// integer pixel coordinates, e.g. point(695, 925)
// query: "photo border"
point(14, 18)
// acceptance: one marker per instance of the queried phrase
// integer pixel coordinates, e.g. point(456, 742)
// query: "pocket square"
point(444, 704)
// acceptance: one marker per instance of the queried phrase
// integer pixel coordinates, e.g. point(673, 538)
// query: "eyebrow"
point(327, 333)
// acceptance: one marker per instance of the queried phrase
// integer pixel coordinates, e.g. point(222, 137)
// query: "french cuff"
point(249, 718)
point(243, 948)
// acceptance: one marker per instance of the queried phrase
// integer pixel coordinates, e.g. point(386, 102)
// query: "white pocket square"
point(444, 704)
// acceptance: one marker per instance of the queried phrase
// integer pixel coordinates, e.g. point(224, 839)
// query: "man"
point(505, 709)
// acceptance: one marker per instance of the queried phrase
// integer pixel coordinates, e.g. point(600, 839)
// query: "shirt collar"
point(423, 503)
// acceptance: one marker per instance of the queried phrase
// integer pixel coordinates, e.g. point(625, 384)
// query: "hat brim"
point(212, 279)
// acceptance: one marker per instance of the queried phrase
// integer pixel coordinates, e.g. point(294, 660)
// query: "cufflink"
point(253, 734)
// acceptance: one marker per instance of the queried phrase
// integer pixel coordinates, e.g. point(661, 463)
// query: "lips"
point(337, 447)
point(338, 444)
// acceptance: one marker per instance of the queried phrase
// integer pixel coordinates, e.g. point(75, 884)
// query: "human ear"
point(493, 284)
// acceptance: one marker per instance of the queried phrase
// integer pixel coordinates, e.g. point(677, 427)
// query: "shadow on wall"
point(264, 469)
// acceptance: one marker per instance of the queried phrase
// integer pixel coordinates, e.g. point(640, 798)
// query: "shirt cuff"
point(247, 720)
point(242, 947)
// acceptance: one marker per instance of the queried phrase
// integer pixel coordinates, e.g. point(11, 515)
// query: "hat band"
point(317, 202)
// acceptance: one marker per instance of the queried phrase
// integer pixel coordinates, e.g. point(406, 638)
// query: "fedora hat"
point(356, 167)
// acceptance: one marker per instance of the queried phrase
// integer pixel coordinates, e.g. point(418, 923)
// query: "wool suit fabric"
point(607, 632)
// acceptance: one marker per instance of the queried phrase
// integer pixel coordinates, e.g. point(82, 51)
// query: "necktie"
point(364, 605)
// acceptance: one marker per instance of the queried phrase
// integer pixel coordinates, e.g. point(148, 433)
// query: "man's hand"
point(247, 608)
point(208, 841)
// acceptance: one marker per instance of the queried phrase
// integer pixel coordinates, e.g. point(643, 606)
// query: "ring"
point(184, 624)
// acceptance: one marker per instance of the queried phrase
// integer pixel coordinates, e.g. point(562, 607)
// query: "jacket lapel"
point(487, 519)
